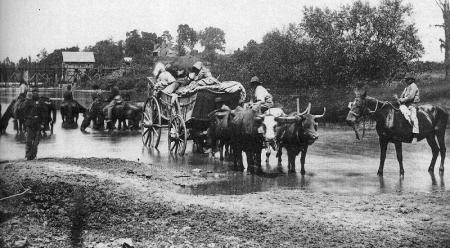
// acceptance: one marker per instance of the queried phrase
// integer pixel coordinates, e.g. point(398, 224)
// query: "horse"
point(393, 127)
point(13, 111)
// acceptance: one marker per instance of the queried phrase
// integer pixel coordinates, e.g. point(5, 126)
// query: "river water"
point(336, 162)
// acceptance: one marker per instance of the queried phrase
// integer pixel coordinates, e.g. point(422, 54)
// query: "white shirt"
point(23, 88)
point(261, 93)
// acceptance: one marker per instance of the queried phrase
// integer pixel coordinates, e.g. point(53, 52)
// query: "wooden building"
point(75, 65)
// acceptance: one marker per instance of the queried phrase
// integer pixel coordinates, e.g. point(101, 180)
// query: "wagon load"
point(186, 113)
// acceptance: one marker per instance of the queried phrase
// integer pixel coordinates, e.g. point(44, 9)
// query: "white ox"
point(270, 129)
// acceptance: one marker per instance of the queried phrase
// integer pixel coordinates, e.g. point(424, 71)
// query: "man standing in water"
point(33, 123)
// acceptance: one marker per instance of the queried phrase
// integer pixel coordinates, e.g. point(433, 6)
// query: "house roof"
point(83, 57)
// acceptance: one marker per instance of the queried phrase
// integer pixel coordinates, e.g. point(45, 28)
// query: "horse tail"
point(441, 119)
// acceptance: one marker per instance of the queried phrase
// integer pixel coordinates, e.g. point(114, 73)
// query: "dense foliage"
point(336, 47)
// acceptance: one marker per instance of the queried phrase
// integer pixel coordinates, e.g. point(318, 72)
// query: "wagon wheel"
point(151, 123)
point(177, 135)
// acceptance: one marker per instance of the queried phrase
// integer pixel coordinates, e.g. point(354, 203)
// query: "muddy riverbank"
point(96, 202)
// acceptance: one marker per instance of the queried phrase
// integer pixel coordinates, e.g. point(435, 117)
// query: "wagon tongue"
point(356, 132)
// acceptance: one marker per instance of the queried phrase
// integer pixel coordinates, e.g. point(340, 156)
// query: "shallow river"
point(335, 163)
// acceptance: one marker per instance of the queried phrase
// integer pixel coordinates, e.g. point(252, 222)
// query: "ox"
point(270, 125)
point(295, 133)
point(247, 135)
point(219, 132)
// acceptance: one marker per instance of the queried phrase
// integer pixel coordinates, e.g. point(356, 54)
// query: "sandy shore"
point(107, 202)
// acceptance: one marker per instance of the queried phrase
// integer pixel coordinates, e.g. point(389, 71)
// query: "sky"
point(28, 26)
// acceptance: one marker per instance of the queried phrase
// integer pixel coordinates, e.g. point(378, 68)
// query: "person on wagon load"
point(260, 95)
point(409, 99)
point(164, 79)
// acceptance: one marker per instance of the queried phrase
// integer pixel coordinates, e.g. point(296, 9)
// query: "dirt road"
point(107, 202)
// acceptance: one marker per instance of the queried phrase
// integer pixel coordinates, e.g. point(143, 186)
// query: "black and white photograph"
point(224, 123)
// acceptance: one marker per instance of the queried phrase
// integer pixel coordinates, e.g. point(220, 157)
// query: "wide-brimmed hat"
point(255, 79)
point(409, 77)
point(198, 65)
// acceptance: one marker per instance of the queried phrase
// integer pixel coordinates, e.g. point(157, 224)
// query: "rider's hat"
point(255, 79)
point(410, 77)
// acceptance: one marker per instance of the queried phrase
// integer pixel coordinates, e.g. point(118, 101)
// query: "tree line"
point(355, 42)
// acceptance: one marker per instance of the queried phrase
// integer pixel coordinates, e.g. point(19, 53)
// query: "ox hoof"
point(441, 170)
point(302, 172)
point(402, 173)
point(380, 173)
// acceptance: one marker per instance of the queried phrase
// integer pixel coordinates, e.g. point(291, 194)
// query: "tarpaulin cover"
point(205, 103)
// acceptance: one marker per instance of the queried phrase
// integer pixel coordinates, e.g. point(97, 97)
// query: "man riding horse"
point(392, 126)
point(409, 99)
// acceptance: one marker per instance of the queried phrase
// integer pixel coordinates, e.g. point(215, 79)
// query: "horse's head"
point(358, 108)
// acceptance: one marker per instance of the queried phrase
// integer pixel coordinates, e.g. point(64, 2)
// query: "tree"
point(148, 42)
point(106, 52)
point(54, 59)
point(213, 40)
point(166, 37)
point(42, 54)
point(133, 44)
point(187, 38)
point(444, 5)
point(362, 42)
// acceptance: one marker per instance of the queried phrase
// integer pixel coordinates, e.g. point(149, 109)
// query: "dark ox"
point(70, 111)
point(295, 133)
point(393, 127)
point(247, 135)
point(219, 133)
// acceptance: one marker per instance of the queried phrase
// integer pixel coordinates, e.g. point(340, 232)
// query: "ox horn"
point(320, 116)
point(306, 110)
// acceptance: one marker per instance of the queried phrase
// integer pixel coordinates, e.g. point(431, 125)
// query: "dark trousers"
point(33, 137)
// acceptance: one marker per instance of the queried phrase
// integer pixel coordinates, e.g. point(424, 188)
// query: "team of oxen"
point(250, 131)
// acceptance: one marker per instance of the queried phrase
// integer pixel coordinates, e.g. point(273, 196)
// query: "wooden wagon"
point(185, 117)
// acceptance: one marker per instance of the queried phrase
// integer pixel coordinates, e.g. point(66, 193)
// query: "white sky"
point(27, 26)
